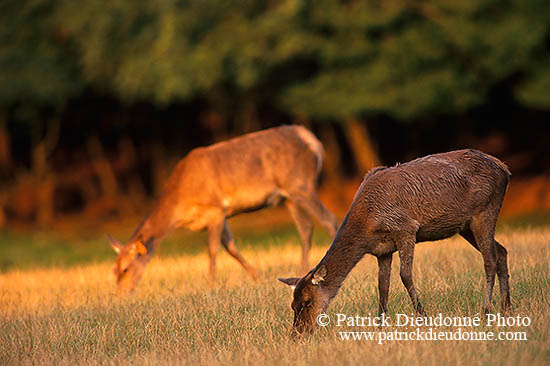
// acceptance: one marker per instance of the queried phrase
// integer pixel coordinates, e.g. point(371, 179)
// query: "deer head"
point(130, 263)
point(310, 299)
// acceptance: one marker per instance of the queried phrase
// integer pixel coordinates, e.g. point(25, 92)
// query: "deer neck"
point(344, 253)
point(156, 225)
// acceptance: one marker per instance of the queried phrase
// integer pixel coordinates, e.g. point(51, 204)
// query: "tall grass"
point(70, 315)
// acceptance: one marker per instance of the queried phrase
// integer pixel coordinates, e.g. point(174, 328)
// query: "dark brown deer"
point(216, 182)
point(430, 198)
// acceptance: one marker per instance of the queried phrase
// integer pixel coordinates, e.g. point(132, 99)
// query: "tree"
point(325, 60)
point(37, 74)
point(410, 60)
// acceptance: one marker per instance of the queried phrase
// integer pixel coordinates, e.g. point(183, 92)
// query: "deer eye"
point(306, 303)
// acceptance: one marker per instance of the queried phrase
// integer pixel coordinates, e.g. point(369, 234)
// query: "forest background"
point(98, 101)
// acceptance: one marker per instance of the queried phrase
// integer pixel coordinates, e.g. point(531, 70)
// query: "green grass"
point(538, 219)
point(49, 249)
point(42, 250)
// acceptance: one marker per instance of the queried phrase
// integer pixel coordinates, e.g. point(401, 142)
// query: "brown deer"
point(216, 182)
point(430, 198)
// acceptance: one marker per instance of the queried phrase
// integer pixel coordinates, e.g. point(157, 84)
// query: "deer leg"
point(501, 268)
point(214, 238)
point(406, 256)
point(384, 272)
point(483, 231)
point(305, 229)
point(503, 276)
point(315, 208)
point(229, 245)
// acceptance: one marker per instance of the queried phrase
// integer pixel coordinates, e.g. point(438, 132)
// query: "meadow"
point(57, 306)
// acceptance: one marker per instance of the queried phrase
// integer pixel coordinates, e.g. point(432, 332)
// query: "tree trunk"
point(103, 168)
point(361, 145)
point(162, 163)
point(5, 145)
point(247, 118)
point(43, 176)
point(332, 153)
point(5, 164)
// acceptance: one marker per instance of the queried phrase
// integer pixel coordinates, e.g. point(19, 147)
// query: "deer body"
point(430, 198)
point(216, 182)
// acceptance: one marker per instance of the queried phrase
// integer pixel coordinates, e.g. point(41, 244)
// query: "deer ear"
point(291, 281)
point(319, 275)
point(115, 244)
point(141, 249)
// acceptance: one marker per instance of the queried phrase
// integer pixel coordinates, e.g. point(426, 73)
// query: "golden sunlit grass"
point(70, 316)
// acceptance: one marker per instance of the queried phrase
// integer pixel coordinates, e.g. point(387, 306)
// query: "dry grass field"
point(69, 316)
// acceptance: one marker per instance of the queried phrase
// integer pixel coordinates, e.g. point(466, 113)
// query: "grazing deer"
point(430, 198)
point(216, 182)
